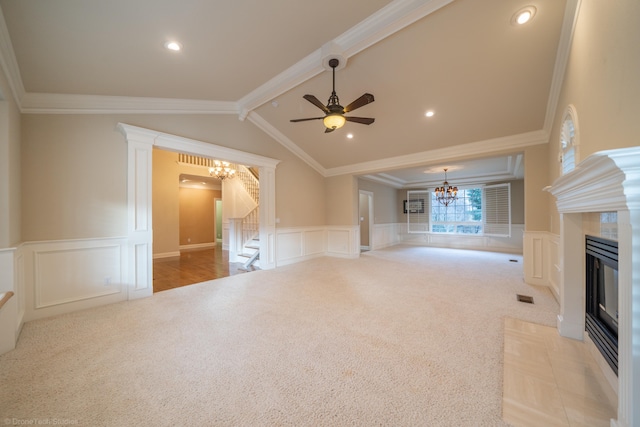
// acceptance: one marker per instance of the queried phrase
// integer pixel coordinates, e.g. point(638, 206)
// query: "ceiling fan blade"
point(365, 99)
point(362, 120)
point(304, 120)
point(315, 101)
point(327, 130)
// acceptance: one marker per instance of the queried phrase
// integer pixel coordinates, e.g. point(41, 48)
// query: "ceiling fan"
point(334, 112)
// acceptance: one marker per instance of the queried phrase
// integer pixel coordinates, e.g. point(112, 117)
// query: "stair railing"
point(251, 225)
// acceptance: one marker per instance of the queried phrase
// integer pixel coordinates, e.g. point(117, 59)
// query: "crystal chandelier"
point(446, 194)
point(222, 170)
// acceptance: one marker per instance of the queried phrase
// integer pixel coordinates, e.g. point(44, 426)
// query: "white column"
point(140, 230)
point(267, 217)
point(629, 318)
point(571, 320)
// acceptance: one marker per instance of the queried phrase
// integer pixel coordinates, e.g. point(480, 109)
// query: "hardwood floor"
point(193, 266)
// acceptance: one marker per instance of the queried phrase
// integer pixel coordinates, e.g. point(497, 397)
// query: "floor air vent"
point(525, 298)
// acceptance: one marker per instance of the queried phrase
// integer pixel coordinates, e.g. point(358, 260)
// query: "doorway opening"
point(188, 222)
point(365, 213)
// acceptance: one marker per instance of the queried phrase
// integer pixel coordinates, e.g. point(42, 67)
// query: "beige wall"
point(166, 231)
point(197, 215)
point(74, 179)
point(602, 83)
point(76, 184)
point(385, 201)
point(536, 203)
point(10, 170)
point(341, 194)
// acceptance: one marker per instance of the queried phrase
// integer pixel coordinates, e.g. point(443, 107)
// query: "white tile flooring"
point(550, 380)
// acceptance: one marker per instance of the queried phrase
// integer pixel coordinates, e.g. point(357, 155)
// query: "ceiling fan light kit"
point(334, 121)
point(334, 112)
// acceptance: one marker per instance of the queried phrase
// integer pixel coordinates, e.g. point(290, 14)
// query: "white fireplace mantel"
point(604, 182)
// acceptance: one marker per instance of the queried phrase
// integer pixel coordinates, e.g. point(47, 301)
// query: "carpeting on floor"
point(402, 336)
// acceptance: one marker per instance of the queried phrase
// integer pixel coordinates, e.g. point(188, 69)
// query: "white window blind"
point(417, 209)
point(568, 160)
point(497, 210)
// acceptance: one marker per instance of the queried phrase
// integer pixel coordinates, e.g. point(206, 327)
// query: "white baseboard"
point(166, 255)
point(198, 246)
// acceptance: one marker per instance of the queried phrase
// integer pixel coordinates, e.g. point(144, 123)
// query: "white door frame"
point(369, 195)
point(140, 144)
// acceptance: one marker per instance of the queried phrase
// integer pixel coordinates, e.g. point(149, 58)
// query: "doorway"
point(141, 198)
point(365, 213)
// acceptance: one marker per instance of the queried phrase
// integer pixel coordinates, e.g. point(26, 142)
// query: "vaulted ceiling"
point(491, 84)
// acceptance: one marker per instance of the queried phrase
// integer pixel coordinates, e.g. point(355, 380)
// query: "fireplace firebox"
point(602, 297)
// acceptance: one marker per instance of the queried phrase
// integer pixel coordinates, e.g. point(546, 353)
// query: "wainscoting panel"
point(290, 245)
point(538, 258)
point(554, 264)
point(343, 242)
point(385, 235)
point(314, 242)
point(298, 244)
point(66, 276)
point(142, 276)
point(512, 244)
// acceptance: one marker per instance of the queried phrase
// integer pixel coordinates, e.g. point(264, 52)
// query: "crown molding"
point(572, 9)
point(478, 148)
point(385, 22)
point(512, 171)
point(274, 133)
point(301, 71)
point(50, 103)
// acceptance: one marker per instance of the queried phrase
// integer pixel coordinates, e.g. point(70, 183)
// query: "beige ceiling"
point(490, 83)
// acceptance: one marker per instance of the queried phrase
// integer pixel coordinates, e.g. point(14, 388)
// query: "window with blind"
point(477, 211)
point(463, 216)
point(497, 210)
point(417, 209)
point(568, 141)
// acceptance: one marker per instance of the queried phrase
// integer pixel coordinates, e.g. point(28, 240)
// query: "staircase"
point(251, 251)
point(251, 222)
point(250, 240)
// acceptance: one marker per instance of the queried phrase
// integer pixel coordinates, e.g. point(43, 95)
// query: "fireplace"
point(601, 311)
point(607, 181)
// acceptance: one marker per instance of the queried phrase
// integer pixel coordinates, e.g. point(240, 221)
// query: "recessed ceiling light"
point(429, 113)
point(173, 45)
point(523, 16)
point(350, 135)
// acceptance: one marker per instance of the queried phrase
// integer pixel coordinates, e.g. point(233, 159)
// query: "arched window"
point(569, 141)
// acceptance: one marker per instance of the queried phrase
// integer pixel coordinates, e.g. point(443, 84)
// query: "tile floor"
point(550, 380)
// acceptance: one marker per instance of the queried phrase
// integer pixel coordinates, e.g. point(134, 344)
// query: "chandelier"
point(446, 194)
point(222, 170)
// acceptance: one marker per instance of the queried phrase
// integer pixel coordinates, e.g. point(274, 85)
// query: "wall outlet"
point(107, 281)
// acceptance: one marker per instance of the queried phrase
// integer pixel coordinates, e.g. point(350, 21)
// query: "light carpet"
point(406, 336)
